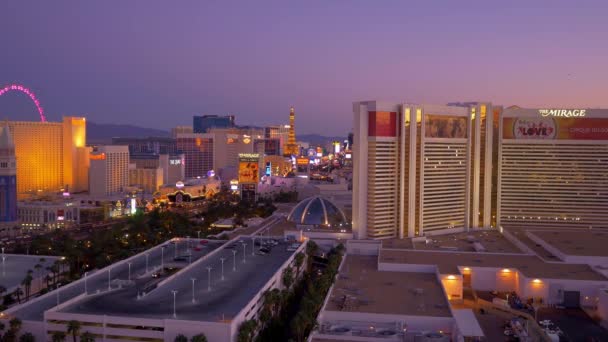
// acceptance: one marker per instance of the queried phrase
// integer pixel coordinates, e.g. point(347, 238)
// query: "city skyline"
point(157, 66)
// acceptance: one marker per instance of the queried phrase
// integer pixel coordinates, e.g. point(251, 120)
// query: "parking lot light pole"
point(209, 278)
point(85, 282)
point(129, 278)
point(253, 247)
point(193, 280)
point(174, 294)
point(222, 259)
point(234, 260)
point(244, 252)
point(199, 234)
point(109, 272)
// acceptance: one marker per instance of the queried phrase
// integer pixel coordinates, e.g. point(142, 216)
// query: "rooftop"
point(360, 287)
point(98, 280)
point(223, 301)
point(491, 241)
point(579, 242)
point(530, 265)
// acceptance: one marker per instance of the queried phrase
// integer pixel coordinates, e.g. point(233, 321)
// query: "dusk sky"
point(157, 63)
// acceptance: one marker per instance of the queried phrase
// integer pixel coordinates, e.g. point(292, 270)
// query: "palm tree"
point(87, 337)
point(27, 284)
point(48, 279)
point(38, 267)
point(181, 338)
point(18, 293)
point(199, 338)
point(58, 336)
point(74, 329)
point(287, 277)
point(2, 290)
point(247, 331)
point(299, 260)
point(27, 337)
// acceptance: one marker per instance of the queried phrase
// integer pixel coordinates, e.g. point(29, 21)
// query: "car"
point(156, 275)
point(198, 249)
point(265, 250)
point(204, 242)
point(180, 258)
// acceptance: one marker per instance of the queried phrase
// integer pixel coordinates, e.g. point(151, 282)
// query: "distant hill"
point(316, 139)
point(103, 133)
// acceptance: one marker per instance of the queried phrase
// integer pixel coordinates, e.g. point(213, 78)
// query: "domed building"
point(317, 211)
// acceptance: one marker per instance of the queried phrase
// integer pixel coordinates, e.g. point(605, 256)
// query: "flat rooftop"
point(492, 241)
point(576, 242)
point(15, 266)
point(530, 265)
point(225, 299)
point(362, 288)
point(98, 280)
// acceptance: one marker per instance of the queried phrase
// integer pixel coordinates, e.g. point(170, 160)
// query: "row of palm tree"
point(195, 338)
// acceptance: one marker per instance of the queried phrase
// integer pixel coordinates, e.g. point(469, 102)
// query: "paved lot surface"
point(15, 266)
point(575, 323)
point(215, 299)
point(98, 281)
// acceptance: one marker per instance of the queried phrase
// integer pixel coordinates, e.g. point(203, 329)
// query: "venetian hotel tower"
point(422, 169)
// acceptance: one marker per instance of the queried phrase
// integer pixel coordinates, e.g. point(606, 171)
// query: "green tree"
point(87, 337)
point(199, 338)
point(27, 284)
point(58, 336)
point(288, 277)
point(299, 260)
point(74, 329)
point(18, 293)
point(15, 324)
point(247, 331)
point(27, 337)
point(181, 338)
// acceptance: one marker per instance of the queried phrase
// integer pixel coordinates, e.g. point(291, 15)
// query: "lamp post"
point(234, 260)
point(129, 278)
point(162, 257)
point(244, 244)
point(85, 282)
point(253, 247)
point(175, 248)
point(109, 272)
point(193, 280)
point(209, 278)
point(174, 294)
point(147, 254)
point(222, 259)
point(199, 234)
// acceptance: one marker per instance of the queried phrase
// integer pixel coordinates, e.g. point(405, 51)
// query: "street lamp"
point(222, 259)
point(193, 280)
point(209, 278)
point(147, 254)
point(109, 270)
point(174, 294)
point(85, 282)
point(253, 247)
point(199, 234)
point(244, 244)
point(234, 260)
point(175, 248)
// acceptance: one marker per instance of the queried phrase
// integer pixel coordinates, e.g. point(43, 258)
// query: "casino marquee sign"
point(563, 113)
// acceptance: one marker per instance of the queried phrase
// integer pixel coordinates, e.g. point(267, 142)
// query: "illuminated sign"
point(179, 185)
point(101, 156)
point(249, 171)
point(349, 156)
point(538, 128)
point(246, 139)
point(302, 161)
point(337, 147)
point(268, 169)
point(249, 157)
point(133, 206)
point(175, 162)
point(565, 113)
point(560, 128)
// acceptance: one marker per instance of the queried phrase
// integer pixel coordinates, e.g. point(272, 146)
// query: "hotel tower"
point(426, 169)
point(420, 169)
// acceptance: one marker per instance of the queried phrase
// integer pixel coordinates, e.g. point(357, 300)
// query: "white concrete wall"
point(602, 304)
point(368, 247)
point(385, 266)
point(414, 323)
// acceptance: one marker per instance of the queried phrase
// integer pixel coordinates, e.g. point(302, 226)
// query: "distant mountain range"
point(103, 134)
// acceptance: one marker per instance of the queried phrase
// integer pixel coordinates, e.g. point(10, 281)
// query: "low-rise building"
point(41, 215)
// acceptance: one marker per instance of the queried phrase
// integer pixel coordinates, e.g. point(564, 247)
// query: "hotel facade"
point(425, 169)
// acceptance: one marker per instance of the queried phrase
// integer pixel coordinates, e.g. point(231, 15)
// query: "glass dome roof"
point(317, 211)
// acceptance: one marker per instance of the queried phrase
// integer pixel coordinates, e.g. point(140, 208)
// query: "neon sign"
point(565, 113)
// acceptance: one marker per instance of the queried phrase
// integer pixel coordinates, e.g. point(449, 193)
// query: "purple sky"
point(157, 63)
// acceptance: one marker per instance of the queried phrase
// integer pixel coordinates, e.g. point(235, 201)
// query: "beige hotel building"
point(424, 169)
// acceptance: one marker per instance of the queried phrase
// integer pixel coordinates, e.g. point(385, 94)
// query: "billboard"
point(443, 126)
point(382, 124)
point(249, 168)
point(562, 128)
